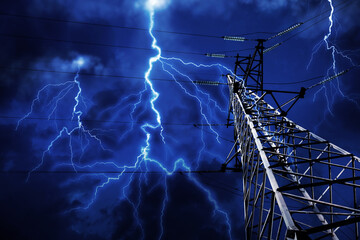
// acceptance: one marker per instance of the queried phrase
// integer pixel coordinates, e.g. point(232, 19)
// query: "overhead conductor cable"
point(286, 30)
point(272, 47)
point(233, 38)
point(329, 78)
point(207, 83)
point(215, 55)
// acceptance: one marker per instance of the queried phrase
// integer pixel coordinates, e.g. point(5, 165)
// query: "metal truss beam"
point(296, 185)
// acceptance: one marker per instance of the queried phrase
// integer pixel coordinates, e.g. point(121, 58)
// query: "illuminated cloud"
point(80, 61)
point(156, 4)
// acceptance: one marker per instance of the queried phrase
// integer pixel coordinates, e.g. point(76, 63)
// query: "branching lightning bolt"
point(331, 91)
point(146, 149)
point(144, 162)
point(76, 113)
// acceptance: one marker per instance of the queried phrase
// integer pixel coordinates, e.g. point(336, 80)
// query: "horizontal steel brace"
point(321, 159)
point(282, 134)
point(325, 213)
point(332, 225)
point(340, 166)
point(328, 182)
point(322, 202)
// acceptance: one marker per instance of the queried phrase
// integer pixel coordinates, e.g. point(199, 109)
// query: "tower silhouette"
point(296, 185)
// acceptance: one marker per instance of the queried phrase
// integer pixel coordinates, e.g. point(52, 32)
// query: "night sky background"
point(43, 42)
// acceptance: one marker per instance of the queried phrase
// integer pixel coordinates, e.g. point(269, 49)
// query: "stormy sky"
point(62, 180)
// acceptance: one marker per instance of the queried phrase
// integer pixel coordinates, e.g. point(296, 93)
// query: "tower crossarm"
point(296, 184)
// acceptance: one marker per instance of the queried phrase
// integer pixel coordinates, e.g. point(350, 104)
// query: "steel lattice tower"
point(296, 185)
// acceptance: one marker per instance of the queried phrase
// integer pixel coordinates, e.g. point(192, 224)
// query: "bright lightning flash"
point(66, 88)
point(148, 96)
point(332, 89)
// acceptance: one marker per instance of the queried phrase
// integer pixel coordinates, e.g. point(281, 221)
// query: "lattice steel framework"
point(296, 185)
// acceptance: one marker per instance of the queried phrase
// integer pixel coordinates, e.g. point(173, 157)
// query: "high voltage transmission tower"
point(296, 185)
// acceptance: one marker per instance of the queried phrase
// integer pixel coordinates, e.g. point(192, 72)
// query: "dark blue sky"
point(43, 42)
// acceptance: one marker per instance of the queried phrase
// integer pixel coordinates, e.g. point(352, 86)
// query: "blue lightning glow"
point(76, 112)
point(191, 95)
point(143, 159)
point(217, 65)
point(333, 48)
point(208, 102)
point(331, 91)
point(68, 86)
point(145, 150)
point(144, 163)
point(155, 94)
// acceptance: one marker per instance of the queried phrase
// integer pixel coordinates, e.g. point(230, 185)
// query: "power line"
point(92, 44)
point(322, 13)
point(299, 24)
point(347, 4)
point(120, 27)
point(252, 33)
point(241, 50)
point(93, 74)
point(105, 172)
point(106, 121)
point(108, 25)
point(329, 78)
point(220, 182)
point(124, 122)
point(153, 79)
point(113, 26)
point(224, 187)
point(133, 28)
point(225, 139)
point(307, 28)
point(289, 83)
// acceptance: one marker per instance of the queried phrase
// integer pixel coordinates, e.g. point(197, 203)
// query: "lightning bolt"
point(155, 94)
point(204, 99)
point(69, 131)
point(126, 175)
point(145, 150)
point(333, 89)
point(143, 160)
